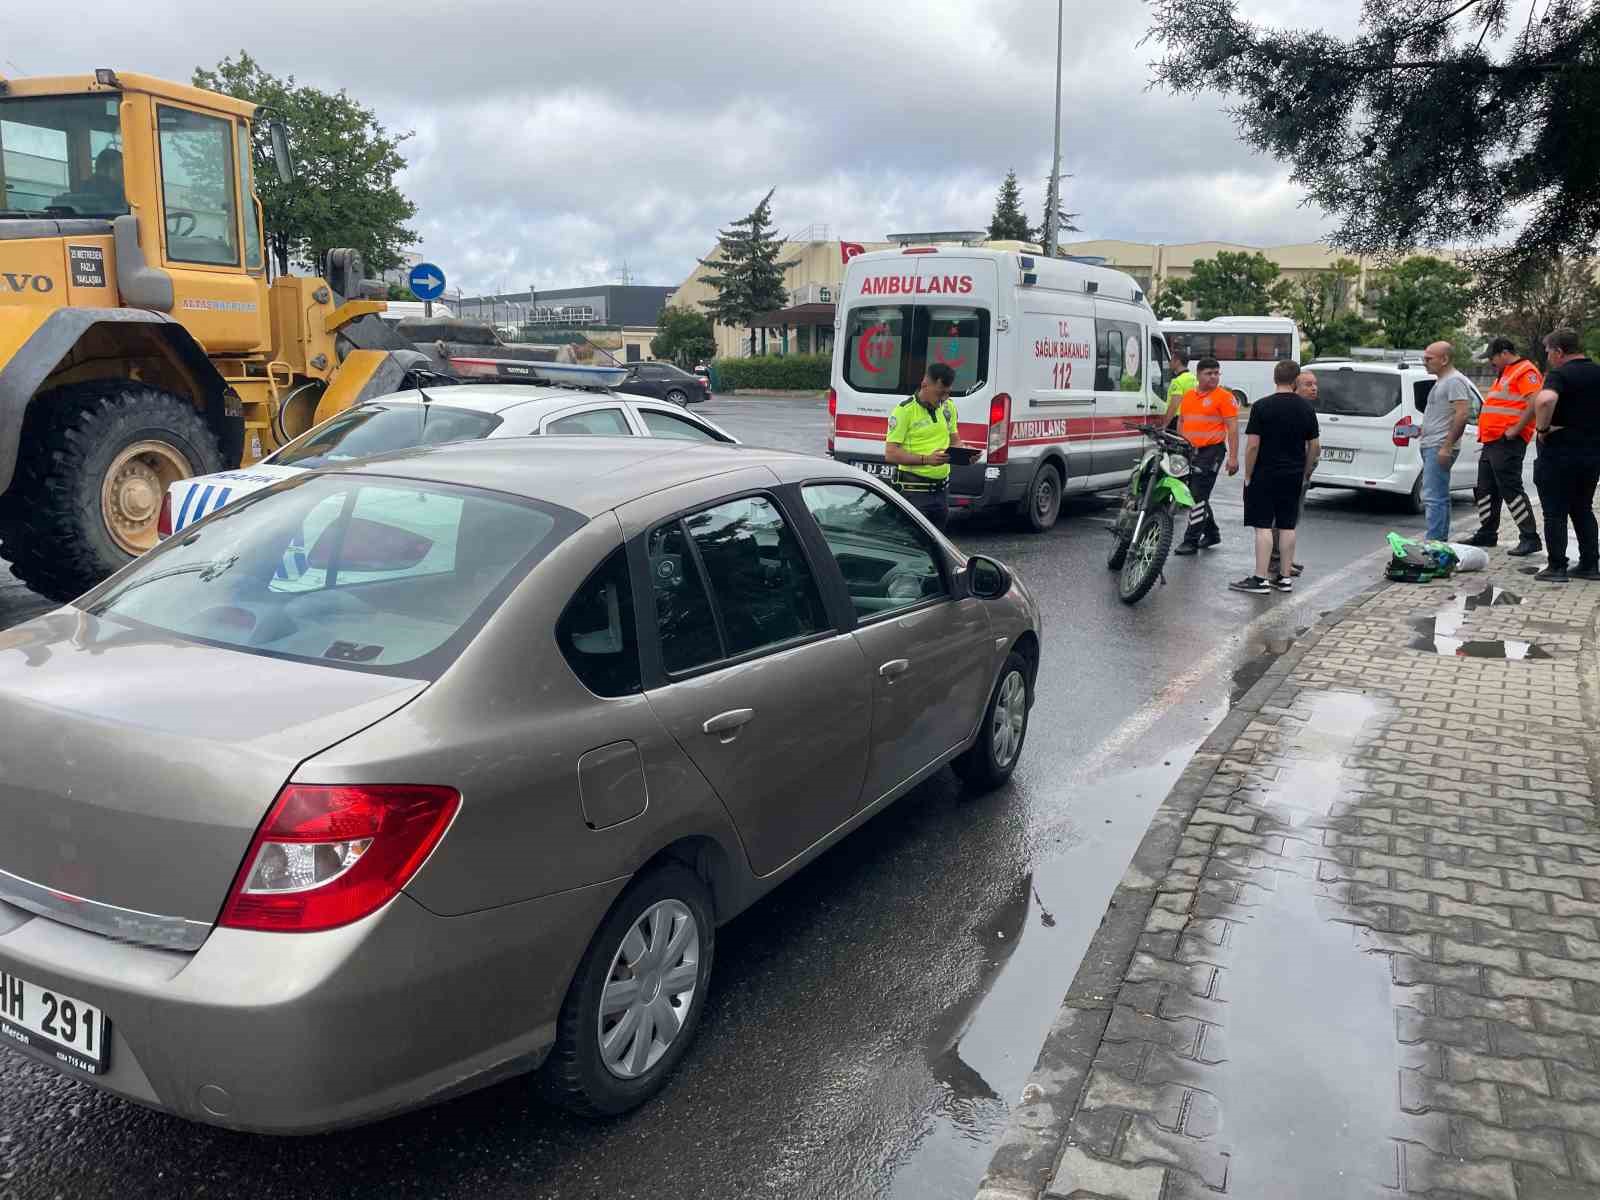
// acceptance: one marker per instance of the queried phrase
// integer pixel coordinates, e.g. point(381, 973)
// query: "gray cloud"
point(554, 144)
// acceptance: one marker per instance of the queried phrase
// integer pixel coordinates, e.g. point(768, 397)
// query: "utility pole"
point(1052, 206)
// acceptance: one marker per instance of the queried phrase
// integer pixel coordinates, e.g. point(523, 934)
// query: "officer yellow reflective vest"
point(917, 431)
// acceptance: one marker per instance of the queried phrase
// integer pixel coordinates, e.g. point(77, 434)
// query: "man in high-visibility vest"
point(1209, 417)
point(922, 428)
point(1505, 427)
point(1182, 380)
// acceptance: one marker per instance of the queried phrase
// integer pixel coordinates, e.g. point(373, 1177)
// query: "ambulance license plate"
point(64, 1031)
point(1334, 454)
point(882, 470)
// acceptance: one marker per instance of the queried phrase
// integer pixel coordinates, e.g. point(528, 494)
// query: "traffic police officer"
point(922, 428)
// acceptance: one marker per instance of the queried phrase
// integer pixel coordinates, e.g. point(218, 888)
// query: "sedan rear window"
point(380, 428)
point(1356, 393)
point(381, 575)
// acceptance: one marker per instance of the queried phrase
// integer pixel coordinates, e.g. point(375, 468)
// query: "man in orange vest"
point(1209, 418)
point(1505, 427)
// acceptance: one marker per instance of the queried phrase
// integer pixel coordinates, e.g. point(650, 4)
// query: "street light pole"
point(1053, 200)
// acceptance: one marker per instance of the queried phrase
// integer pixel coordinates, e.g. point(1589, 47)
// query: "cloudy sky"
point(557, 142)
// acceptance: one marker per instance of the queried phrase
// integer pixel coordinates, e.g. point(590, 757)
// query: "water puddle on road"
point(1438, 633)
point(982, 1047)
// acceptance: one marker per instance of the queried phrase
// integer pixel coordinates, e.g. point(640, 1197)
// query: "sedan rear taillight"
point(327, 856)
point(164, 521)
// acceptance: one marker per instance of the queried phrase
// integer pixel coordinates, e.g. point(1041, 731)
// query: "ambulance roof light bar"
point(967, 237)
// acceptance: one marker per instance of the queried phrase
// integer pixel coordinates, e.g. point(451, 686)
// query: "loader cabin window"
point(198, 188)
point(61, 156)
point(890, 347)
point(252, 210)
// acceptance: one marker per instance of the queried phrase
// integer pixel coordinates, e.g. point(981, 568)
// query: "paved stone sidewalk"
point(1358, 953)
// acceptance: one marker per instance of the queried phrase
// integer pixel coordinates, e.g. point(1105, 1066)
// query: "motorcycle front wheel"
point(1142, 564)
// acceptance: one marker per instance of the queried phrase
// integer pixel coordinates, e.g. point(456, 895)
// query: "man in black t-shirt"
point(1566, 420)
point(1281, 438)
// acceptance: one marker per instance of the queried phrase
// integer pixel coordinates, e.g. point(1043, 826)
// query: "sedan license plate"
point(1334, 454)
point(65, 1031)
point(882, 470)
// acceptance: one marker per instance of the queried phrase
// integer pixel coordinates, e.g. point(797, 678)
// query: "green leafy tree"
point(344, 192)
point(1167, 301)
point(1422, 299)
point(1324, 305)
point(1233, 284)
point(1009, 222)
point(1437, 121)
point(685, 337)
point(399, 291)
point(746, 274)
point(1529, 304)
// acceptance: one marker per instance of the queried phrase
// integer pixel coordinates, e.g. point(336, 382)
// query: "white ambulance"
point(1053, 360)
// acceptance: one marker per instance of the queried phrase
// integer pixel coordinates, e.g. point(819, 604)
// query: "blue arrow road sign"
point(427, 281)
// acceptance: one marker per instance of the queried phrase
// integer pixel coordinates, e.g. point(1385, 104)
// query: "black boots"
point(1530, 544)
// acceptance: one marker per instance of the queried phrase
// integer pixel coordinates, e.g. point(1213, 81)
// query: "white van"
point(1053, 359)
point(1370, 415)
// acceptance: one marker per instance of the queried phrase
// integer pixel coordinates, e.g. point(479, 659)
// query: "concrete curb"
point(1024, 1161)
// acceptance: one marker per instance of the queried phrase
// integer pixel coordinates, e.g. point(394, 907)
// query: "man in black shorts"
point(1281, 438)
point(1567, 423)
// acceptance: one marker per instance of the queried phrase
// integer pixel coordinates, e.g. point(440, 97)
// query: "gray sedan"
point(397, 778)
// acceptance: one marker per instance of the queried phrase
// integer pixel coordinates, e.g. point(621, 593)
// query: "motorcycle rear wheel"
point(1142, 564)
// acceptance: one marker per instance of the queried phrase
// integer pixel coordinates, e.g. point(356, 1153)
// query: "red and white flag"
point(848, 250)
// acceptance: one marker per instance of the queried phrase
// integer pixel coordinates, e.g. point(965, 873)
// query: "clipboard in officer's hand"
point(963, 456)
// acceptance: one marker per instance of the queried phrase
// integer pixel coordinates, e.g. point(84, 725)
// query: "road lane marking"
point(1179, 688)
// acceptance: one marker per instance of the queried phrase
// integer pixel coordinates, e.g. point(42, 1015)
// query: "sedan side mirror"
point(987, 579)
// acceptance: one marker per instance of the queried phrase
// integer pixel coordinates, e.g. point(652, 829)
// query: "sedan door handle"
point(894, 668)
point(729, 723)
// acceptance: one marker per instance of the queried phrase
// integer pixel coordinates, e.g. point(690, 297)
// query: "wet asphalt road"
point(869, 1020)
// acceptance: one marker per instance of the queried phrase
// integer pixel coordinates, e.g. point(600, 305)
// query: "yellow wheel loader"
point(141, 340)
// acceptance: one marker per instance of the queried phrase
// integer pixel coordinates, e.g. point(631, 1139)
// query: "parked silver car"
point(396, 778)
point(458, 413)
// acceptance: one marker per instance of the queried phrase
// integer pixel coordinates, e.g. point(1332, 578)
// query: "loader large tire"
point(92, 468)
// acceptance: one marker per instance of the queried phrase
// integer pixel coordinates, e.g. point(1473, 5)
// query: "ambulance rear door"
point(904, 311)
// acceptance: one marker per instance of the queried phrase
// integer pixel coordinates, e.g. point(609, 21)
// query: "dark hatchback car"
point(665, 382)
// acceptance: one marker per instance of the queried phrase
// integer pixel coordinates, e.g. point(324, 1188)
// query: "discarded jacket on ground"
point(1412, 561)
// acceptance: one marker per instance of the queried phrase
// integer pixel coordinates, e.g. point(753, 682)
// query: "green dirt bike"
point(1145, 525)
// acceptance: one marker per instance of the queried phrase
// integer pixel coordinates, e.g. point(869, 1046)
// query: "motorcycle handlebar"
point(1158, 433)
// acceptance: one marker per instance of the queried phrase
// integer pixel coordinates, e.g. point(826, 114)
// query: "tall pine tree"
point(1009, 223)
point(746, 273)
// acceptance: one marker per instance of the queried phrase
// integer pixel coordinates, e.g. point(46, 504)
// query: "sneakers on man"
point(1253, 584)
point(1483, 538)
point(1527, 546)
point(1282, 583)
point(1552, 575)
point(1183, 549)
point(1589, 574)
point(1210, 540)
